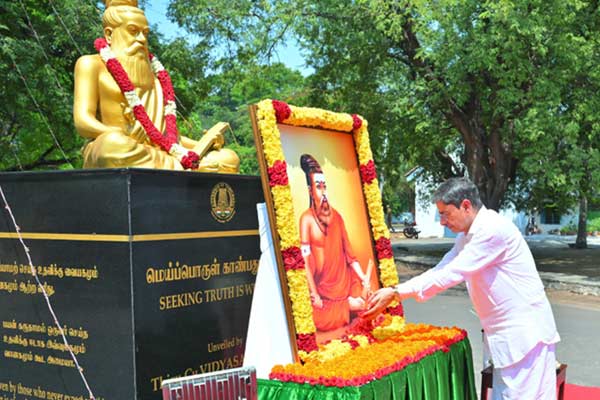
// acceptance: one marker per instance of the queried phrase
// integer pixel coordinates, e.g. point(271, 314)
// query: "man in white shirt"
point(492, 257)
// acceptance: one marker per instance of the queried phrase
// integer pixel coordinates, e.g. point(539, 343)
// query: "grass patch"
point(593, 222)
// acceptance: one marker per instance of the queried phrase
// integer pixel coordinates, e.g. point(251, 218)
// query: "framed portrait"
point(325, 212)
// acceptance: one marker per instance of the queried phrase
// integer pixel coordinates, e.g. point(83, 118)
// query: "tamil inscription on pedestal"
point(150, 272)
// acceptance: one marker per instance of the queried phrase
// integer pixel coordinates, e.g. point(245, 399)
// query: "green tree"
point(467, 85)
point(483, 72)
point(210, 91)
point(562, 169)
point(234, 90)
point(39, 44)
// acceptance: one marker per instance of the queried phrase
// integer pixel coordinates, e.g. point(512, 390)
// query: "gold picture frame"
point(291, 142)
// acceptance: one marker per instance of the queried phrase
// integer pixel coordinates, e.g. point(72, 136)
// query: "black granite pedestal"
point(151, 274)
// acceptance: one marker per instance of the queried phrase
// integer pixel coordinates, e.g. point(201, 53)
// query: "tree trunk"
point(581, 241)
point(489, 161)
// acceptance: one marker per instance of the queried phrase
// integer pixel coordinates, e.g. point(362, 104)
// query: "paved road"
point(578, 327)
point(560, 266)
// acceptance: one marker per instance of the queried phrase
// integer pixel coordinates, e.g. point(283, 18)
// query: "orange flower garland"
point(370, 361)
point(271, 112)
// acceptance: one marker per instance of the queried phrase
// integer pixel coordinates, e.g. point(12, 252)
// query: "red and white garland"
point(169, 142)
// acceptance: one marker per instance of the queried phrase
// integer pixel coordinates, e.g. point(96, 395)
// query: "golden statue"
point(125, 106)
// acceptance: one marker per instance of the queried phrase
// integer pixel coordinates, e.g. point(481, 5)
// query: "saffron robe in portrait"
point(333, 275)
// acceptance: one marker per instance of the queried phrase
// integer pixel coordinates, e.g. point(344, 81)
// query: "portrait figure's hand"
point(356, 303)
point(366, 284)
point(316, 300)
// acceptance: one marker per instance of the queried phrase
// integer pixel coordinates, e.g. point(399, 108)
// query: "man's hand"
point(378, 301)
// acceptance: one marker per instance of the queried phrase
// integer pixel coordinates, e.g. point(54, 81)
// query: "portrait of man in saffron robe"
point(334, 229)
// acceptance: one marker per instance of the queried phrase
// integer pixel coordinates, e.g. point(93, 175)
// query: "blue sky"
point(156, 12)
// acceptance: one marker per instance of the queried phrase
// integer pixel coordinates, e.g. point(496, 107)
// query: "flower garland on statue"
point(168, 142)
point(269, 114)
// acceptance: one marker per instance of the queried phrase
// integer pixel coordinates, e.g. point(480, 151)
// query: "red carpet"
point(576, 392)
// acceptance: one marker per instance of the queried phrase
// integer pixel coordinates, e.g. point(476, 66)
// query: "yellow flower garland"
point(316, 117)
point(300, 298)
point(286, 228)
point(392, 328)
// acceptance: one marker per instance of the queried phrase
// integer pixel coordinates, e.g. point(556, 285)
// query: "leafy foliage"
point(453, 86)
point(505, 92)
point(593, 223)
point(39, 45)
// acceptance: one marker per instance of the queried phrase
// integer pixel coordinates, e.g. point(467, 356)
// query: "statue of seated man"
point(111, 86)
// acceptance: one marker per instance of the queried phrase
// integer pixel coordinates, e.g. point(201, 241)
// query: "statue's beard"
point(137, 65)
point(323, 211)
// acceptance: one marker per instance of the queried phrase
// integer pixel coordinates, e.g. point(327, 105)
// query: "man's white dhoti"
point(532, 378)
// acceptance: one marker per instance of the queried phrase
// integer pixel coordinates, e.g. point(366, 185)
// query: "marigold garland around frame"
point(268, 114)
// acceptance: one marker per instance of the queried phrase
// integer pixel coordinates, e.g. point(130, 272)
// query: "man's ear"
point(466, 205)
point(108, 34)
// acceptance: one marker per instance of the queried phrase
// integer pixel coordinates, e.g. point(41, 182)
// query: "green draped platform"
point(440, 376)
